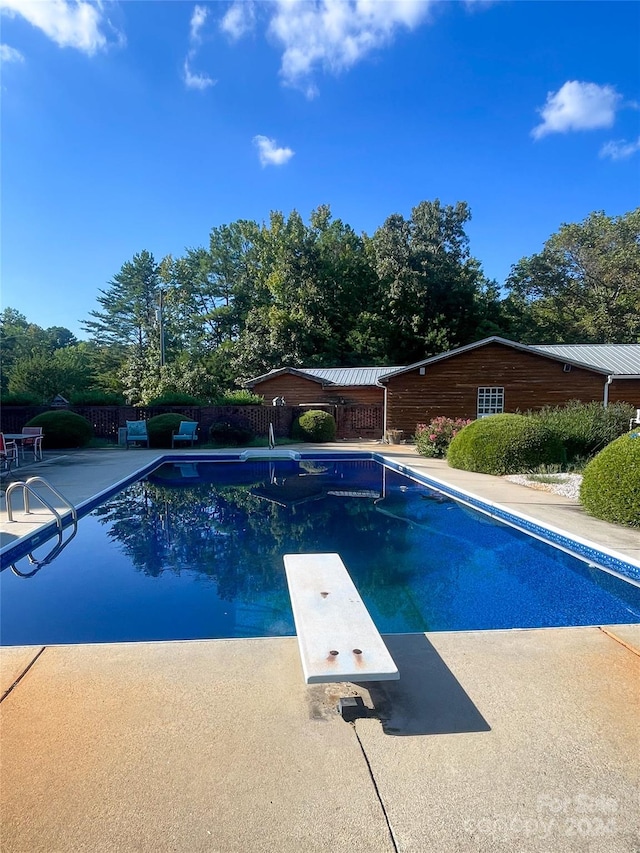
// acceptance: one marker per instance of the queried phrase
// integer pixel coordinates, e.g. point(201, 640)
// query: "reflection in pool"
point(196, 549)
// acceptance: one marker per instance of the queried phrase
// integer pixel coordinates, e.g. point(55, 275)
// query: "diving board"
point(336, 635)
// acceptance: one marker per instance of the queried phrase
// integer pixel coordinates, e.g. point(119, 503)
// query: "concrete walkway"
point(491, 741)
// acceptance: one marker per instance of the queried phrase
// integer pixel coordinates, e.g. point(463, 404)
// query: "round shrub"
point(314, 425)
point(504, 444)
point(160, 427)
point(63, 429)
point(231, 432)
point(611, 483)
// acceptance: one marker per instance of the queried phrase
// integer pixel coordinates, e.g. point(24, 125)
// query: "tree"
point(67, 371)
point(312, 287)
point(211, 290)
point(129, 305)
point(584, 287)
point(21, 340)
point(431, 287)
point(129, 320)
point(348, 289)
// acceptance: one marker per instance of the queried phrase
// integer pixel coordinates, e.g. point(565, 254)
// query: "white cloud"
point(194, 80)
point(333, 35)
point(620, 149)
point(77, 24)
point(10, 54)
point(269, 153)
point(197, 22)
point(578, 106)
point(239, 19)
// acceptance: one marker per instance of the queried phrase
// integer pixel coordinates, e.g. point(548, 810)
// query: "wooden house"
point(497, 375)
point(322, 385)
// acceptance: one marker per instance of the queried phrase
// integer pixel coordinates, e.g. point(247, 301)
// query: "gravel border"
point(567, 485)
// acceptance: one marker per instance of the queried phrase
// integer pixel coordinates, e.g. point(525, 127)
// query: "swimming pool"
point(194, 550)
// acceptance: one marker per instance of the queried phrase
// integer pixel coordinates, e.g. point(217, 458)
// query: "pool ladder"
point(28, 492)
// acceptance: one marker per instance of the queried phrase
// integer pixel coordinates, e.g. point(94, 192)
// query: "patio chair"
point(37, 448)
point(136, 432)
point(8, 454)
point(186, 432)
point(34, 444)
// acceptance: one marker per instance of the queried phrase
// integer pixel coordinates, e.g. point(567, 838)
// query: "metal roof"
point(344, 376)
point(339, 377)
point(617, 359)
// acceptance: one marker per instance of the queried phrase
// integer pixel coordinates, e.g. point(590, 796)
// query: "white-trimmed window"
point(490, 401)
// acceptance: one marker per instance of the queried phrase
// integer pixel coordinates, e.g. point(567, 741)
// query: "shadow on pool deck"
point(428, 699)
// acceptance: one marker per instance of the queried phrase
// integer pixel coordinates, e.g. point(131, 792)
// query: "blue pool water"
point(195, 551)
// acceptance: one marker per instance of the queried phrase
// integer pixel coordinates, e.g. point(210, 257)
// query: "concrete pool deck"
point(524, 740)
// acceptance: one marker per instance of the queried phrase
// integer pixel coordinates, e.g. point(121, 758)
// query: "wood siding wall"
point(296, 390)
point(450, 387)
point(625, 391)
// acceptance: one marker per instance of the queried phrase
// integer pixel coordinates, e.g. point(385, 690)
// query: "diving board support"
point(336, 635)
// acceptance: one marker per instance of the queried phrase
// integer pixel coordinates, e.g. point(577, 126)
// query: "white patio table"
point(20, 438)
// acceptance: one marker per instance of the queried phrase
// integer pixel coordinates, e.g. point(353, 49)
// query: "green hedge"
point(175, 398)
point(241, 397)
point(314, 425)
point(21, 399)
point(63, 429)
point(585, 428)
point(504, 444)
point(160, 428)
point(611, 484)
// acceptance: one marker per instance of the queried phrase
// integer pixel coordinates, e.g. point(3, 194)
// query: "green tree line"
point(286, 292)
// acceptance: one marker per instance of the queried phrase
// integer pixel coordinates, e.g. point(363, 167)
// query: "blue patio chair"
point(136, 432)
point(186, 432)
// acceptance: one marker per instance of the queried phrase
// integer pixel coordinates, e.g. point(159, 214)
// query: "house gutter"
point(605, 399)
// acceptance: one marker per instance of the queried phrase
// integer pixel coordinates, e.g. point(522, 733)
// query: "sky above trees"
point(143, 125)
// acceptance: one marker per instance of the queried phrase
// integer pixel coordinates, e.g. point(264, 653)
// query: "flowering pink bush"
point(433, 439)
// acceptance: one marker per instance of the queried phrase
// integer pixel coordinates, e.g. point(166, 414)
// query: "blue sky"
point(142, 125)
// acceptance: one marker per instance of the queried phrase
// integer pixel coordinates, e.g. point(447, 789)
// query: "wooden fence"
point(352, 421)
